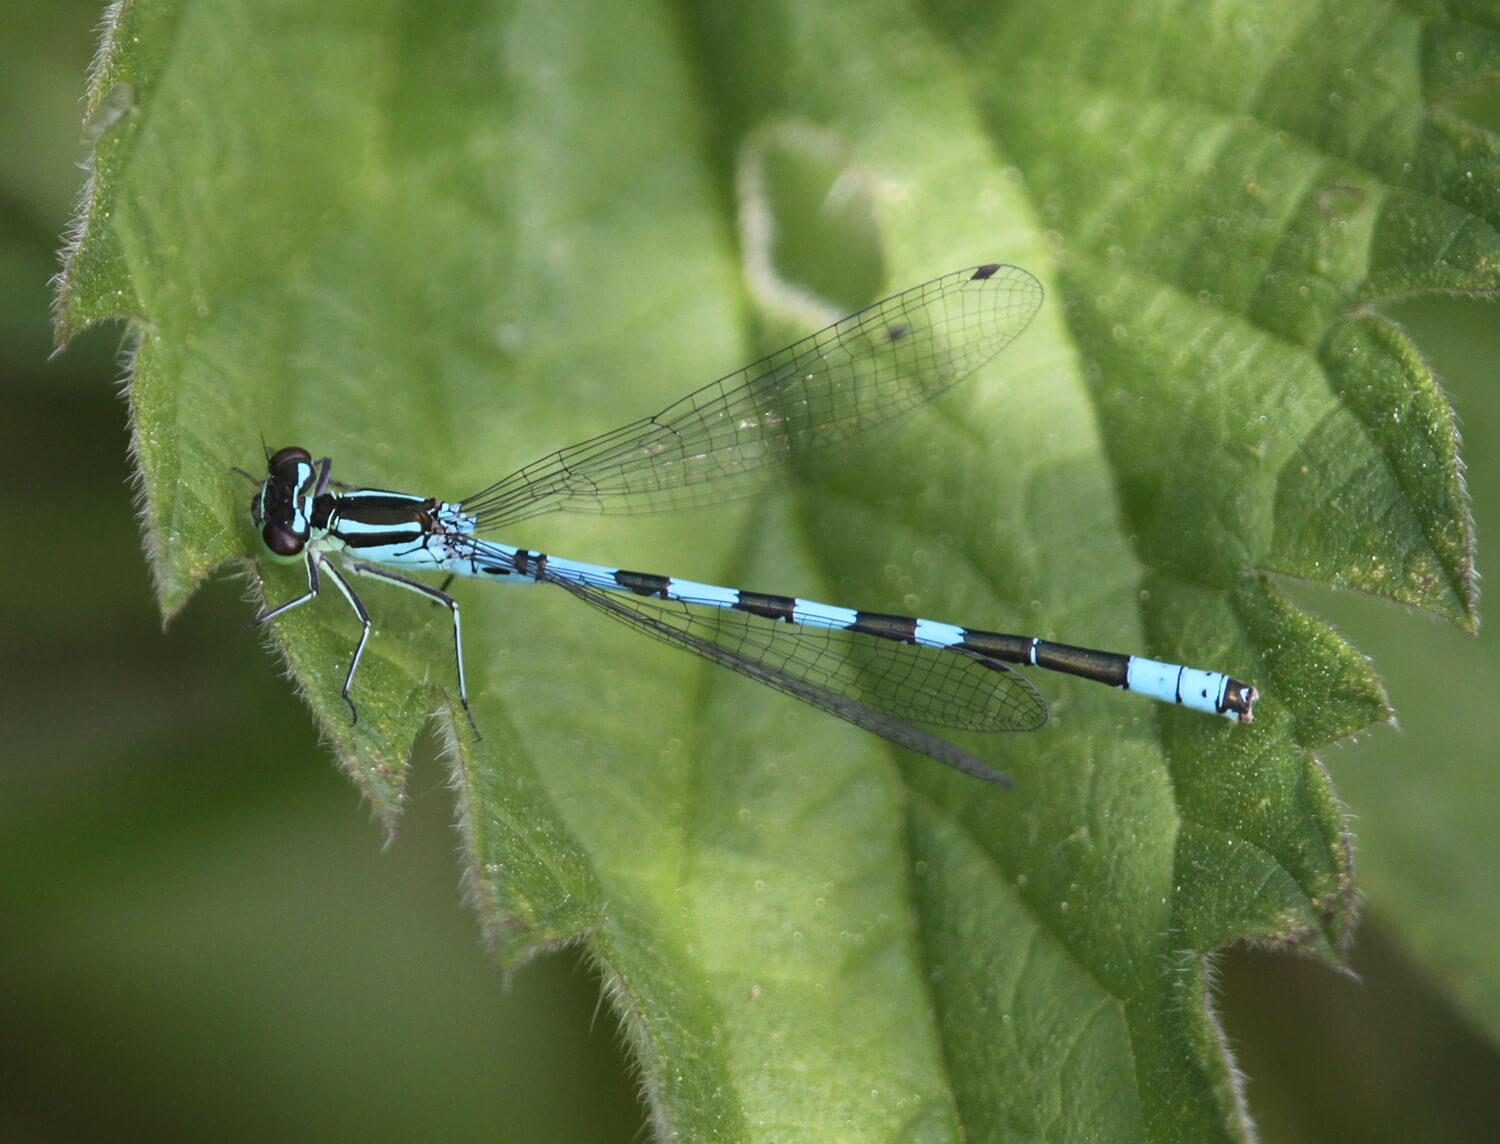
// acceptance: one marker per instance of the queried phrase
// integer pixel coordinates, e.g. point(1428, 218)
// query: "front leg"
point(310, 594)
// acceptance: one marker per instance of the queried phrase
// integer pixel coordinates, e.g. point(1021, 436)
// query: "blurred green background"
point(199, 939)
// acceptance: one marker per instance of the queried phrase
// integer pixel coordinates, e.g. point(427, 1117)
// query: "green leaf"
point(436, 242)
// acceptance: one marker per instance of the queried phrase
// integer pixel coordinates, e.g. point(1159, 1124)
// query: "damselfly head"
point(278, 508)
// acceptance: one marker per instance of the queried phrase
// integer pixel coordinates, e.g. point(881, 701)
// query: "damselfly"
point(881, 672)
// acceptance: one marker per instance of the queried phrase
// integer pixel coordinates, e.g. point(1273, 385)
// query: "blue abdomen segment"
point(1190, 686)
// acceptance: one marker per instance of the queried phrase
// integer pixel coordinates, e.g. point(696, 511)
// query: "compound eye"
point(282, 541)
point(291, 455)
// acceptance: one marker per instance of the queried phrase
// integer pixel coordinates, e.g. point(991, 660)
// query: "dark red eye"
point(291, 455)
point(282, 541)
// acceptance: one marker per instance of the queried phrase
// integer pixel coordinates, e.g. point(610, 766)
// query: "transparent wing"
point(729, 438)
point(871, 682)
